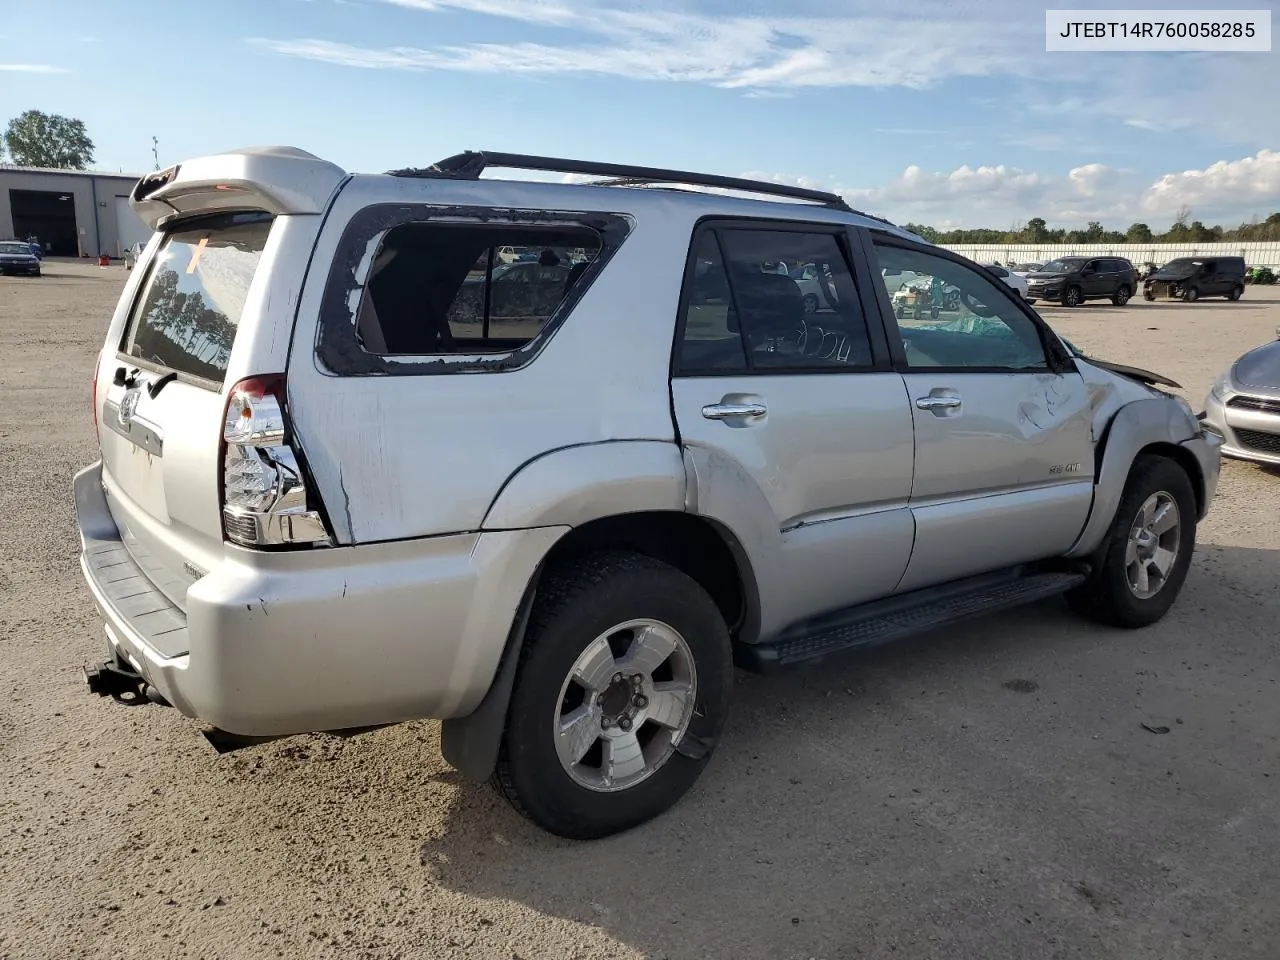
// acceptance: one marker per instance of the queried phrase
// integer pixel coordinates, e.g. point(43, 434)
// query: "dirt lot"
point(988, 793)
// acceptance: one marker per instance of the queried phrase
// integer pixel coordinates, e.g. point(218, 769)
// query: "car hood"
point(18, 257)
point(1041, 275)
point(1259, 368)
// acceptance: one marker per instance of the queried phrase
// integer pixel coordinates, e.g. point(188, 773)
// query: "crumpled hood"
point(1260, 367)
point(1041, 275)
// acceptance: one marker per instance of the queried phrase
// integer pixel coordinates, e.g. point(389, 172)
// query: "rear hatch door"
point(162, 397)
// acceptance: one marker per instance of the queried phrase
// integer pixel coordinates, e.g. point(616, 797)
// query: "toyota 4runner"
point(360, 465)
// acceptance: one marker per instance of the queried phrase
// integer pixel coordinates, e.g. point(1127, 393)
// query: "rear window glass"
point(186, 316)
point(459, 289)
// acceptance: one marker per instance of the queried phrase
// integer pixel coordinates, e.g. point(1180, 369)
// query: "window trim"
point(337, 347)
point(881, 359)
point(1058, 360)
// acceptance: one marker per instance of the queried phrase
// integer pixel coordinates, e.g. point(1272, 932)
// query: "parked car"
point(1243, 406)
point(1024, 270)
point(322, 505)
point(1011, 280)
point(16, 258)
point(1074, 280)
point(1190, 278)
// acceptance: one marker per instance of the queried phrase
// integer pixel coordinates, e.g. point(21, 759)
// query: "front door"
point(796, 429)
point(1004, 458)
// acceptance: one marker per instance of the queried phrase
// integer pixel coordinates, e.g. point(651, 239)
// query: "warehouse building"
point(73, 213)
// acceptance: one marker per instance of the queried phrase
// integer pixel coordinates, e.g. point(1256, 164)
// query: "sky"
point(943, 112)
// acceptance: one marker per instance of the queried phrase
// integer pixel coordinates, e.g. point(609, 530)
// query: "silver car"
point(346, 480)
point(1243, 405)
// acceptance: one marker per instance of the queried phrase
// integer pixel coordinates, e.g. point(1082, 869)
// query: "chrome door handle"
point(724, 411)
point(938, 403)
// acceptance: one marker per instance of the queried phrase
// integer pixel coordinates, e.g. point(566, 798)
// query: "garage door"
point(129, 227)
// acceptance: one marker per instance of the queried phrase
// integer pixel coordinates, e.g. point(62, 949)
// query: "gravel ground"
point(987, 793)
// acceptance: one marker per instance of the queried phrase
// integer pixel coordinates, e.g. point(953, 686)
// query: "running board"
point(893, 618)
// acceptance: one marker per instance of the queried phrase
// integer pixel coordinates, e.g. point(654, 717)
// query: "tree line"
point(1184, 230)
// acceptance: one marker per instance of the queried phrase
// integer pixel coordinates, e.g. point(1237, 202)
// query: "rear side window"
point(438, 288)
point(186, 316)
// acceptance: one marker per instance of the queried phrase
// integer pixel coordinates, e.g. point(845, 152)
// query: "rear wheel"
point(1122, 296)
point(1236, 292)
point(1144, 559)
point(1072, 297)
point(622, 691)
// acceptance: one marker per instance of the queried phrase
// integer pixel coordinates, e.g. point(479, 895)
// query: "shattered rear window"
point(440, 288)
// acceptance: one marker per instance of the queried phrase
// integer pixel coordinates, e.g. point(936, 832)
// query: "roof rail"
point(472, 163)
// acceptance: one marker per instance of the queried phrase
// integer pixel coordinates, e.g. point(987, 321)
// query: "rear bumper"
point(291, 642)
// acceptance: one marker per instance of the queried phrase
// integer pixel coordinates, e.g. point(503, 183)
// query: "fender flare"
point(569, 486)
point(574, 485)
point(1135, 427)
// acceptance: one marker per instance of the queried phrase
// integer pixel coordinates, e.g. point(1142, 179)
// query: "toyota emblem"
point(127, 407)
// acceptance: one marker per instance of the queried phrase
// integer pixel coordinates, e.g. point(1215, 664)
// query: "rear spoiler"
point(279, 180)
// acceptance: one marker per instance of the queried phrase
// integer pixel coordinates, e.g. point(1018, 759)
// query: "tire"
point(578, 605)
point(1191, 294)
point(810, 303)
point(1108, 596)
point(1236, 292)
point(1148, 295)
point(1072, 297)
point(1122, 296)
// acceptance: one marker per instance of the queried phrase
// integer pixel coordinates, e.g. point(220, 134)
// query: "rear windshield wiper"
point(156, 386)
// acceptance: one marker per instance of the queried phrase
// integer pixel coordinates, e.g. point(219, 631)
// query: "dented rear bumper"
point(274, 643)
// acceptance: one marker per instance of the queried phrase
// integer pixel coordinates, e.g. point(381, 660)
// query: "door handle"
point(725, 411)
point(938, 403)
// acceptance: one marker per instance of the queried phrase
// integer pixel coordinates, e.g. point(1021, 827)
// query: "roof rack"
point(472, 163)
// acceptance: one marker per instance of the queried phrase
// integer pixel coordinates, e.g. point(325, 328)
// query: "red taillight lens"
point(264, 490)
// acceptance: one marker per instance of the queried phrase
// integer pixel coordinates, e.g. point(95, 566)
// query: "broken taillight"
point(264, 492)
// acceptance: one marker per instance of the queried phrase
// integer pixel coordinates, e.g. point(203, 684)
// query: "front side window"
point(771, 299)
point(951, 315)
point(186, 317)
point(437, 288)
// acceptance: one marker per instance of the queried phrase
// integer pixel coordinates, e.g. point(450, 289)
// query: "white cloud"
point(860, 46)
point(30, 68)
point(1247, 184)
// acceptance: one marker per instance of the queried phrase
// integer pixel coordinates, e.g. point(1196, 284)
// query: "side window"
point(777, 299)
point(951, 315)
point(438, 288)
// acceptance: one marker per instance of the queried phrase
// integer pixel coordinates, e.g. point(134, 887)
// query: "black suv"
point(1073, 280)
point(1190, 278)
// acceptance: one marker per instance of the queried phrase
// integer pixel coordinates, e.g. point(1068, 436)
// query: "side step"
point(896, 617)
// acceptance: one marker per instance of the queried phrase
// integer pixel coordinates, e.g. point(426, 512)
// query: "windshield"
point(19, 248)
point(1065, 265)
point(1180, 266)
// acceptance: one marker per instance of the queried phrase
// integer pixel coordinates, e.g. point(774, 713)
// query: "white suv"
point(357, 470)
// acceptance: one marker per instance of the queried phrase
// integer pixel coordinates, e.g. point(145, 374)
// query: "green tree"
point(38, 139)
point(1138, 233)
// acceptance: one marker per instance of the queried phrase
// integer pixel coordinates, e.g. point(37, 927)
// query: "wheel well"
point(698, 547)
point(1185, 459)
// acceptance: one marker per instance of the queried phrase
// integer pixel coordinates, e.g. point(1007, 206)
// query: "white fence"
point(1255, 254)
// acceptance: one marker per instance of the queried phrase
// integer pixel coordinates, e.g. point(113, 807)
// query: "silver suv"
point(544, 460)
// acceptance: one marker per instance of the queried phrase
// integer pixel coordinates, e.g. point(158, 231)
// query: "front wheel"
point(1122, 296)
point(1191, 294)
point(1142, 563)
point(1072, 297)
point(622, 690)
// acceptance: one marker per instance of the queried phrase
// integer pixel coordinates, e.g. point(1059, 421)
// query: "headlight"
point(1220, 388)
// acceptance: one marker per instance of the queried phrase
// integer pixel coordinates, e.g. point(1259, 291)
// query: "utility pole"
point(155, 151)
